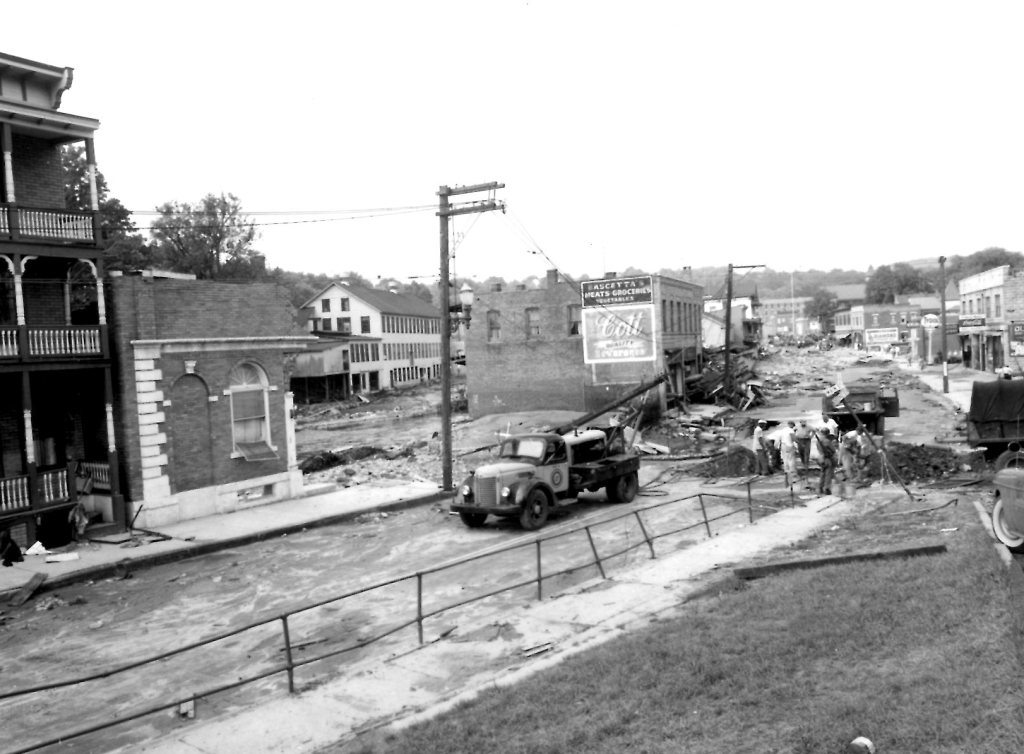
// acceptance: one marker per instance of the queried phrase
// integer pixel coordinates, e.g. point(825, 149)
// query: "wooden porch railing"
point(72, 340)
point(99, 471)
point(8, 342)
point(14, 494)
point(36, 224)
point(53, 486)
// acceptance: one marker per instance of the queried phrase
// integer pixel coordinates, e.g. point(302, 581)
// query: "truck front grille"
point(486, 491)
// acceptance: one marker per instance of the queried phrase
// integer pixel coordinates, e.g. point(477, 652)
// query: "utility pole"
point(728, 319)
point(445, 211)
point(943, 340)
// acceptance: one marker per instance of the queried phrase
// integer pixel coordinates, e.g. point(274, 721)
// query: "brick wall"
point(520, 373)
point(526, 372)
point(38, 177)
point(184, 448)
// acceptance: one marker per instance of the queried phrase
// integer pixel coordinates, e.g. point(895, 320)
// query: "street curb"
point(124, 566)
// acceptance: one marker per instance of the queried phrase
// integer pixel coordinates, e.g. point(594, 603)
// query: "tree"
point(960, 267)
point(125, 249)
point(822, 306)
point(211, 239)
point(888, 282)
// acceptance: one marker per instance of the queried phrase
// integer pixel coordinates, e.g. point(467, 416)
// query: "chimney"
point(552, 278)
point(610, 275)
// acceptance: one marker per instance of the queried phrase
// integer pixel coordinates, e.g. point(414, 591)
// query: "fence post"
point(703, 512)
point(288, 655)
point(643, 529)
point(593, 548)
point(419, 604)
point(750, 504)
point(540, 579)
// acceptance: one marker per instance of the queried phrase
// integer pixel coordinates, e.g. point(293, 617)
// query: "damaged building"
point(581, 346)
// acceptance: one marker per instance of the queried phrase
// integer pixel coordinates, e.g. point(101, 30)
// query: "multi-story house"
point(395, 338)
point(580, 347)
point(57, 413)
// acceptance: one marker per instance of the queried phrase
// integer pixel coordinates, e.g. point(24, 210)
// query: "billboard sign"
point(882, 336)
point(617, 291)
point(1017, 339)
point(618, 333)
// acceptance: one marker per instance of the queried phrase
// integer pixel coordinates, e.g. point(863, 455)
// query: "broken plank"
point(757, 572)
point(27, 590)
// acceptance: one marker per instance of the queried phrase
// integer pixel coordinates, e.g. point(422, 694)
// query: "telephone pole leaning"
point(445, 211)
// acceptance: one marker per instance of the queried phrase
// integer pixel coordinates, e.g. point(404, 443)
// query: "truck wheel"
point(623, 489)
point(535, 510)
point(1014, 541)
point(472, 519)
point(1010, 459)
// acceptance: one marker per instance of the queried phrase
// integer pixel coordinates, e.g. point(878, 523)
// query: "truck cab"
point(536, 472)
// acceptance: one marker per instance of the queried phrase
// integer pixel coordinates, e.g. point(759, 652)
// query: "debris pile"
point(923, 462)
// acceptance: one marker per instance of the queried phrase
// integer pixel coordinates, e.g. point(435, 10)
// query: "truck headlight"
point(465, 490)
point(506, 491)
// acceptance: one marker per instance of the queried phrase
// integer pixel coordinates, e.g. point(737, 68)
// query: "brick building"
point(205, 413)
point(786, 317)
point(879, 327)
point(538, 348)
point(398, 336)
point(991, 321)
point(57, 407)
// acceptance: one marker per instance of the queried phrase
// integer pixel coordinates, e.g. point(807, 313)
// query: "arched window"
point(250, 415)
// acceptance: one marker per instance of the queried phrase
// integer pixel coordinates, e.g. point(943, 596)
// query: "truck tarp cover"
point(998, 400)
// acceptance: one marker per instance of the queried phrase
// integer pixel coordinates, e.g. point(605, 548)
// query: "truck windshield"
point(523, 447)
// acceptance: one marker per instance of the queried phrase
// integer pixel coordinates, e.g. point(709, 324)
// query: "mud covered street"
point(91, 627)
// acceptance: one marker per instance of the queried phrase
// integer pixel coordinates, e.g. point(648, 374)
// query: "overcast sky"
point(797, 135)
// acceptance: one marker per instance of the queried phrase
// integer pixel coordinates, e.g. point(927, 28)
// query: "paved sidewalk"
point(960, 380)
point(318, 507)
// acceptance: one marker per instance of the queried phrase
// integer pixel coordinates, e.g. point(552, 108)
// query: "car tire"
point(473, 519)
point(623, 489)
point(535, 510)
point(1009, 459)
point(1013, 540)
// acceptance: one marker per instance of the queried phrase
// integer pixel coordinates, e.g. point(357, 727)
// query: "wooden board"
point(27, 590)
point(757, 572)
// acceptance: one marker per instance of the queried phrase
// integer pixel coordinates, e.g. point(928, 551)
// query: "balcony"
point(48, 343)
point(51, 226)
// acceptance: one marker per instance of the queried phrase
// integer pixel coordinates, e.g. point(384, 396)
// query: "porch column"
point(90, 170)
point(116, 499)
point(30, 442)
point(8, 150)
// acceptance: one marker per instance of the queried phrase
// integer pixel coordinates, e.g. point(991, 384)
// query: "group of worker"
point(850, 451)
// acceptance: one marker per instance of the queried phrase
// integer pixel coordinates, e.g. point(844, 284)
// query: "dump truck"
point(996, 421)
point(869, 402)
point(536, 472)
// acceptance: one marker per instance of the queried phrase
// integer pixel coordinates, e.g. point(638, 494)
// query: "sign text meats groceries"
point(618, 320)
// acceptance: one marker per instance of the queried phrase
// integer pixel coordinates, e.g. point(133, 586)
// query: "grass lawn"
point(919, 655)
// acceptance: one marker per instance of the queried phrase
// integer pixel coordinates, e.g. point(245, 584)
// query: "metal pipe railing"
point(422, 614)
